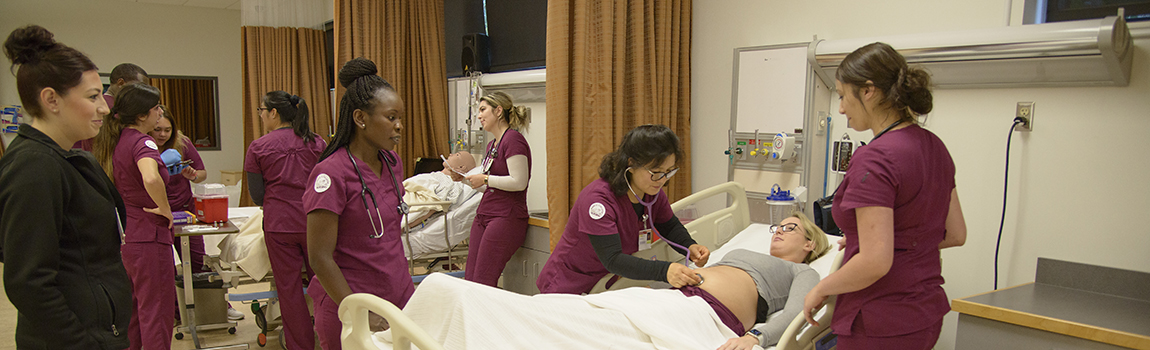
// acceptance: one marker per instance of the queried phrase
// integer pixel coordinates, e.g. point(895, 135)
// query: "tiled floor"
point(246, 330)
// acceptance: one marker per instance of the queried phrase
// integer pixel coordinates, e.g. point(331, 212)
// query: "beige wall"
point(1076, 183)
point(164, 39)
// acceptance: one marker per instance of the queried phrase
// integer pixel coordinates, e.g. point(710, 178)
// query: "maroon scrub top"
point(573, 266)
point(911, 171)
point(498, 202)
point(142, 226)
point(370, 265)
point(285, 161)
point(179, 187)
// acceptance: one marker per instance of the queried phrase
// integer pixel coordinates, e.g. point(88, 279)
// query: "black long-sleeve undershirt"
point(256, 187)
point(609, 249)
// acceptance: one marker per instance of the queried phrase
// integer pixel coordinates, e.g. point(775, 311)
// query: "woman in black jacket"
point(60, 216)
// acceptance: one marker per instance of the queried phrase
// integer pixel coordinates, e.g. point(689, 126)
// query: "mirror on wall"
point(194, 104)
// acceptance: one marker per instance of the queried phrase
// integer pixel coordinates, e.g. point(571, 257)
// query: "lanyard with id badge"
point(648, 234)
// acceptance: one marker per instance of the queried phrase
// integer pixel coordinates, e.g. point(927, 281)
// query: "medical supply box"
point(183, 217)
point(211, 202)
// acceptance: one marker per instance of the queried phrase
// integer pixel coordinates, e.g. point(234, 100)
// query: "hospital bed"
point(722, 231)
point(440, 243)
point(243, 257)
point(442, 235)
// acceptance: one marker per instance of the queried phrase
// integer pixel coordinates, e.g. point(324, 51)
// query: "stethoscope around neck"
point(649, 222)
point(366, 193)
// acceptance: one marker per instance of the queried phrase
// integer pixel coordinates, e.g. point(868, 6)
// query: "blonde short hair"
point(814, 234)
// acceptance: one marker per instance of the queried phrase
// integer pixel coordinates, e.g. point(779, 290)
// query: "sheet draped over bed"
point(246, 249)
point(434, 187)
point(466, 315)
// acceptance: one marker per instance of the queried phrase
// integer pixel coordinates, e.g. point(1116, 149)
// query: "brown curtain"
point(405, 40)
point(288, 59)
point(193, 107)
point(612, 66)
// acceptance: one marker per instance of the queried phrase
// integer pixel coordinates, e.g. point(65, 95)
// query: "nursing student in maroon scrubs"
point(353, 201)
point(131, 158)
point(179, 185)
point(277, 166)
point(619, 212)
point(500, 224)
point(897, 207)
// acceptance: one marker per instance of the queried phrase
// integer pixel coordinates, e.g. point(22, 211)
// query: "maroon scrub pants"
point(153, 274)
point(288, 255)
point(493, 240)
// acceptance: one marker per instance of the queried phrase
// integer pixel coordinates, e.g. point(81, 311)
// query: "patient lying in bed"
point(736, 294)
point(745, 286)
point(437, 186)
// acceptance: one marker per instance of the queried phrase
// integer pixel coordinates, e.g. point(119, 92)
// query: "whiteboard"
point(770, 89)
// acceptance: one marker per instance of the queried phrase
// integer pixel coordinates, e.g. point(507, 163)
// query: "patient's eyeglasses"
point(783, 229)
point(656, 176)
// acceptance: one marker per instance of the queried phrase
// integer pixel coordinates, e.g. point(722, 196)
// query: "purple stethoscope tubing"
point(651, 223)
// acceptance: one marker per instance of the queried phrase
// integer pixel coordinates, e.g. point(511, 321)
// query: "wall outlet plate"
point(1025, 110)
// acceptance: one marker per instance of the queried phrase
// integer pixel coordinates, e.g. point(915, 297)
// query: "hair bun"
point(294, 100)
point(25, 45)
point(355, 69)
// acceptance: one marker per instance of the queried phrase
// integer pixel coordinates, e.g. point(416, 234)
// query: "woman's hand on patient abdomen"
point(679, 275)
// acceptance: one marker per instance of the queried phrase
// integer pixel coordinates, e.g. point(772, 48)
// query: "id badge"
point(646, 239)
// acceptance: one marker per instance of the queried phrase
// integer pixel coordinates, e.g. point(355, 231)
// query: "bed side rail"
point(357, 335)
point(801, 336)
point(715, 229)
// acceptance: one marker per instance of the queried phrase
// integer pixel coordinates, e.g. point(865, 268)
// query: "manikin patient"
point(442, 185)
point(744, 287)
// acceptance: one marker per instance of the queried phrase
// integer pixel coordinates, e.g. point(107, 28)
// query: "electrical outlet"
point(1025, 110)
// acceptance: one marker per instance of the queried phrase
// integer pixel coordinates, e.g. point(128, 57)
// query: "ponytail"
point(300, 123)
point(132, 102)
point(105, 143)
point(293, 110)
point(517, 117)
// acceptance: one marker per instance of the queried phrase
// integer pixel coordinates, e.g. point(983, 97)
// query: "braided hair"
point(292, 109)
point(360, 79)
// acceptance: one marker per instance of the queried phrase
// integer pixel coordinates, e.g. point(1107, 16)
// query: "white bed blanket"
point(466, 315)
point(431, 237)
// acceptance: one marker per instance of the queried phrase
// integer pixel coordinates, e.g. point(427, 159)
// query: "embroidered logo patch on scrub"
point(597, 210)
point(322, 183)
point(151, 144)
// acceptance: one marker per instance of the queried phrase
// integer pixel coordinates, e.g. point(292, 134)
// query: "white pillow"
point(757, 238)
